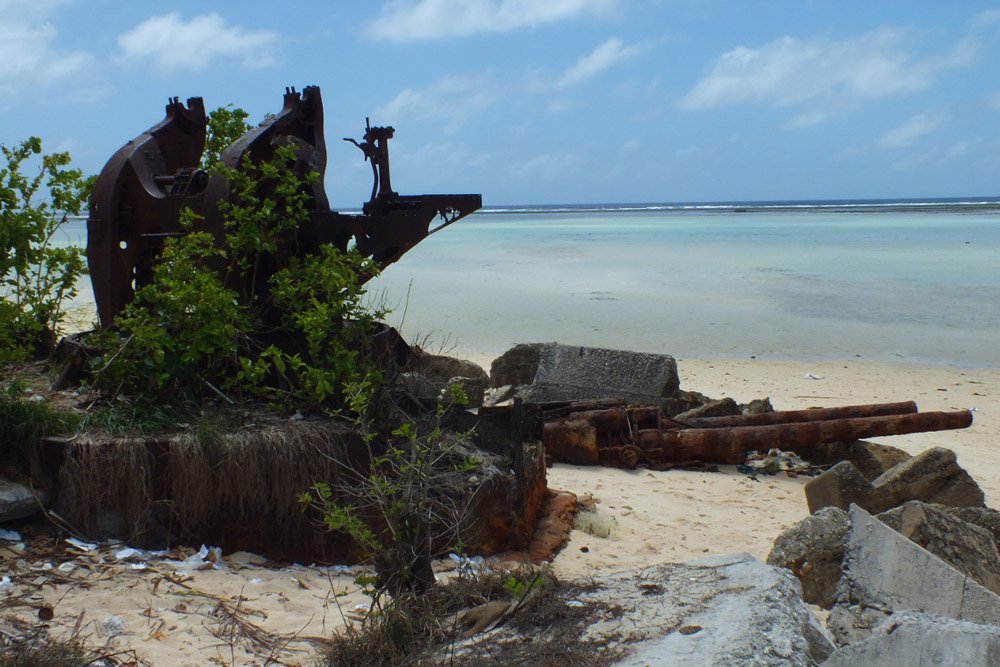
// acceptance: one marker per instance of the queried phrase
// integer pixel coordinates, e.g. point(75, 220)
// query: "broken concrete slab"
point(17, 501)
point(555, 372)
point(840, 486)
point(966, 547)
point(933, 476)
point(923, 640)
point(725, 610)
point(715, 611)
point(885, 572)
point(813, 550)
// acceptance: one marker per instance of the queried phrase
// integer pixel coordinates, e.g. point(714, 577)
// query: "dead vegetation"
point(25, 644)
point(457, 622)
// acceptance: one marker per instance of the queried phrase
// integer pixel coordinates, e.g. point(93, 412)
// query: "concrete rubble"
point(17, 501)
point(723, 610)
point(915, 584)
point(934, 476)
point(540, 372)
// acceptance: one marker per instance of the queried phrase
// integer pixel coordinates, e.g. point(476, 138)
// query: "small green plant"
point(393, 508)
point(37, 276)
point(520, 587)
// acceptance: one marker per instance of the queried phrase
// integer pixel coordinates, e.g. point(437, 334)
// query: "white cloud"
point(986, 19)
point(413, 20)
point(548, 167)
point(606, 55)
point(30, 53)
point(452, 98)
point(905, 135)
point(832, 75)
point(172, 44)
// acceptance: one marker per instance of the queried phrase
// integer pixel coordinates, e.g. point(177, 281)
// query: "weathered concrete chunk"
point(16, 501)
point(554, 372)
point(723, 407)
point(517, 365)
point(934, 476)
point(813, 550)
point(682, 401)
point(984, 517)
point(441, 368)
point(724, 610)
point(923, 640)
point(870, 458)
point(885, 572)
point(839, 486)
point(757, 406)
point(873, 458)
point(966, 547)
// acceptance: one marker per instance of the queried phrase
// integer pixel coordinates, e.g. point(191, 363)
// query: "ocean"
point(903, 280)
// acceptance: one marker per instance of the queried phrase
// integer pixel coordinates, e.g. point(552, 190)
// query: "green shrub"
point(294, 336)
point(37, 276)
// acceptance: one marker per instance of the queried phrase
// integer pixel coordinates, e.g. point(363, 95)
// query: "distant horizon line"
point(730, 203)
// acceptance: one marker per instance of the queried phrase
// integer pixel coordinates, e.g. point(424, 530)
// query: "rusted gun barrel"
point(732, 444)
point(793, 416)
point(627, 435)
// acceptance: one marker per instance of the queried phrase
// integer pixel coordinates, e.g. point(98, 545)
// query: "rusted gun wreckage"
point(141, 191)
point(615, 434)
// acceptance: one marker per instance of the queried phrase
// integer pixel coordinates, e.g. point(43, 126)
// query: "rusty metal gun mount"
point(612, 433)
point(142, 190)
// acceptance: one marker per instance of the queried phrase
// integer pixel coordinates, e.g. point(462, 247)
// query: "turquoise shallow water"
point(896, 284)
point(890, 281)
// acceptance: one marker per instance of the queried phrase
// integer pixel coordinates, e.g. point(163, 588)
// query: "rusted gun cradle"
point(615, 434)
point(141, 191)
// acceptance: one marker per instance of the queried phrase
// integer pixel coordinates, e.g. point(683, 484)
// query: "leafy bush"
point(37, 276)
point(293, 335)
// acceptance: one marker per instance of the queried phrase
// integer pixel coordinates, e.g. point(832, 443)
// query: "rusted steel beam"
point(732, 444)
point(793, 416)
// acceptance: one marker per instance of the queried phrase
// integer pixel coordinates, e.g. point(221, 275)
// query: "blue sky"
point(545, 102)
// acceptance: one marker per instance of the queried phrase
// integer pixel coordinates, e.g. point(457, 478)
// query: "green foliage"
point(36, 276)
point(521, 587)
point(188, 334)
point(404, 514)
point(225, 125)
point(181, 329)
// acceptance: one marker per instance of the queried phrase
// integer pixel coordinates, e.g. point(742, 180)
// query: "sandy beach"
point(169, 612)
